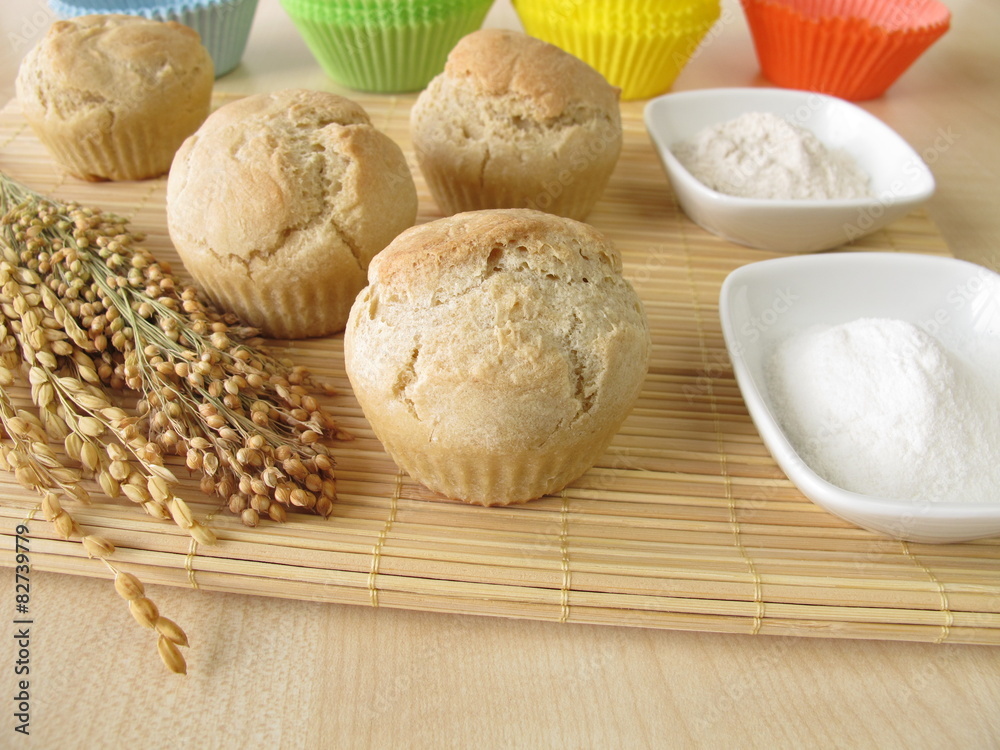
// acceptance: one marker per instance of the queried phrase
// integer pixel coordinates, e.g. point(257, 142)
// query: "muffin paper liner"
point(635, 16)
point(224, 25)
point(854, 49)
point(575, 201)
point(313, 307)
point(640, 49)
point(381, 48)
point(139, 154)
point(504, 480)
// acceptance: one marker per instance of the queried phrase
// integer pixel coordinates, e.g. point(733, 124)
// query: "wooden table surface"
point(270, 673)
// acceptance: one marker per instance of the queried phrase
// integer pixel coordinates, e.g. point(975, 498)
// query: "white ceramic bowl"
point(763, 303)
point(900, 178)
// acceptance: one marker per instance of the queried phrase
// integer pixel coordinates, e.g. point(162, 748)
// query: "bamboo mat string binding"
point(192, 552)
point(189, 563)
point(14, 135)
point(390, 114)
point(727, 480)
point(153, 190)
point(564, 558)
point(380, 542)
point(949, 617)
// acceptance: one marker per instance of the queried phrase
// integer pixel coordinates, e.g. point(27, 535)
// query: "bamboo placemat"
point(686, 522)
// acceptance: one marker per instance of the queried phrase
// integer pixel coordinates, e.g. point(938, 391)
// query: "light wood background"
point(269, 673)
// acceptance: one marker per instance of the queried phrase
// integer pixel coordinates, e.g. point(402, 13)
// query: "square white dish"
point(763, 303)
point(900, 179)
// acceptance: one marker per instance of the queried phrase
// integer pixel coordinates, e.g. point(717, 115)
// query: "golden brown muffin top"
point(109, 59)
point(269, 170)
point(448, 255)
point(499, 61)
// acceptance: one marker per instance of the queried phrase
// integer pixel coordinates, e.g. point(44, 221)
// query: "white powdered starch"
point(762, 155)
point(879, 407)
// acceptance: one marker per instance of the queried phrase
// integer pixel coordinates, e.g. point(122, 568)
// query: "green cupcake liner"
point(400, 52)
point(386, 13)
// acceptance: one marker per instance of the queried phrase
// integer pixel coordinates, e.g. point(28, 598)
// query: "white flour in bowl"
point(762, 155)
point(880, 407)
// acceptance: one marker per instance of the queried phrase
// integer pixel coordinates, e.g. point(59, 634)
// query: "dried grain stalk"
point(86, 315)
point(90, 312)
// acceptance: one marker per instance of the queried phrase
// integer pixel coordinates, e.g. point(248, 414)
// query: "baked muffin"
point(112, 96)
point(514, 122)
point(279, 201)
point(496, 353)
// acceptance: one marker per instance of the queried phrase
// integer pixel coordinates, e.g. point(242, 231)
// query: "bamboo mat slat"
point(685, 523)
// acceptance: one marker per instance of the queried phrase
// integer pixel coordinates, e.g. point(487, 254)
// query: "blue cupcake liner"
point(224, 25)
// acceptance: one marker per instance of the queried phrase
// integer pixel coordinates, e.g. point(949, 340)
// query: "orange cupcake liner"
point(853, 49)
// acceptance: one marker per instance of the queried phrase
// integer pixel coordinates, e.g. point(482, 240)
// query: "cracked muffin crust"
point(496, 353)
point(113, 96)
point(278, 203)
point(515, 122)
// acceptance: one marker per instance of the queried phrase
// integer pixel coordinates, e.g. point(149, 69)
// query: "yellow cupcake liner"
point(637, 17)
point(639, 51)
